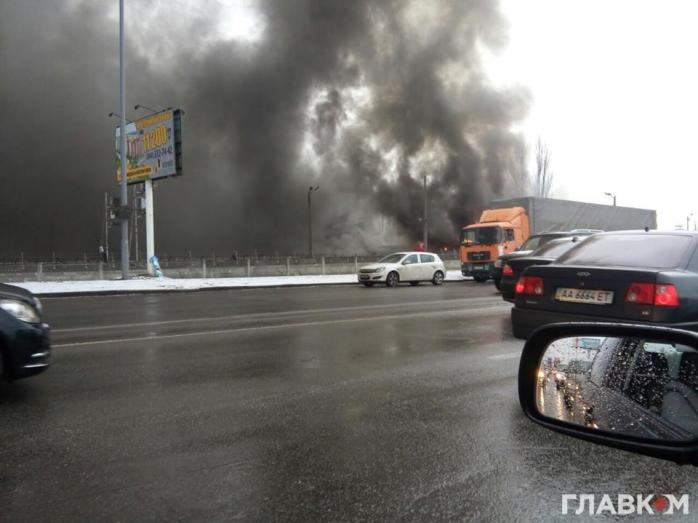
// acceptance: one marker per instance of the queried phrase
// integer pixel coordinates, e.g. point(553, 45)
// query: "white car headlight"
point(20, 310)
point(380, 269)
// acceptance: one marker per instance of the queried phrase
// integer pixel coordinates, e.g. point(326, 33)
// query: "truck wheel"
point(480, 278)
point(438, 278)
point(392, 279)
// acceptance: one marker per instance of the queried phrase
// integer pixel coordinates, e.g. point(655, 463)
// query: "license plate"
point(584, 296)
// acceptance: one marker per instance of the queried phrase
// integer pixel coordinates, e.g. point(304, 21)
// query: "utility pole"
point(612, 196)
point(311, 190)
point(426, 217)
point(688, 221)
point(122, 149)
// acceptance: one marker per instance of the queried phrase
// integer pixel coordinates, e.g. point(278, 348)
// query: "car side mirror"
point(406, 262)
point(632, 387)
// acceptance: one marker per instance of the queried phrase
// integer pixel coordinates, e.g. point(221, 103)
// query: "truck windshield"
point(481, 236)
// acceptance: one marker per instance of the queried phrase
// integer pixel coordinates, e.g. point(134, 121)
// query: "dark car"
point(639, 277)
point(534, 242)
point(24, 337)
point(544, 255)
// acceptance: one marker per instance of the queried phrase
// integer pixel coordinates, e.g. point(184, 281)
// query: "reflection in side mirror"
point(638, 386)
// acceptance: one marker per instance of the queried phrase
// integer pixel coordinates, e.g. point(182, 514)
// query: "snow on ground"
point(188, 284)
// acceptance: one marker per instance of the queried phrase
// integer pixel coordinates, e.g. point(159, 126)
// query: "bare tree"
point(544, 173)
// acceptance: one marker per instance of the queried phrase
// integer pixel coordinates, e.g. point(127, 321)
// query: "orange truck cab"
point(498, 232)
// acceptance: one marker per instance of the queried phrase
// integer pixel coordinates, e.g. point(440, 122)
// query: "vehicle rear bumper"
point(525, 321)
point(508, 289)
point(477, 269)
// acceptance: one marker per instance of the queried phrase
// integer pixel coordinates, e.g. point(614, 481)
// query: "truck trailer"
point(506, 224)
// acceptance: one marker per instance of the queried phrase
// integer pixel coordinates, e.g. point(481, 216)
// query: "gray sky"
point(614, 87)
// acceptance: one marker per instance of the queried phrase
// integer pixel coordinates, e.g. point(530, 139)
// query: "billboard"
point(154, 147)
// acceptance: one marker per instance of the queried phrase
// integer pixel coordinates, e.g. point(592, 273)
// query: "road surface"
point(322, 403)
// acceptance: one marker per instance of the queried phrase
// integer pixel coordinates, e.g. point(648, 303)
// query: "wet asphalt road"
point(321, 403)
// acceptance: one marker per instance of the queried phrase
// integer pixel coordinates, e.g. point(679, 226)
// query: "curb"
point(126, 292)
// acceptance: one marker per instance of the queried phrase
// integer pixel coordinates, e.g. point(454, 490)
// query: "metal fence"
point(85, 263)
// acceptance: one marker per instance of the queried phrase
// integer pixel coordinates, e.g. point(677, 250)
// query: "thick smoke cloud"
point(361, 98)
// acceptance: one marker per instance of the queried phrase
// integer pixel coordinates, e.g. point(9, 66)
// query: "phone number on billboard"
point(159, 153)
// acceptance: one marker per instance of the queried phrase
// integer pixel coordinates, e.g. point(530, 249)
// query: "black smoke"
point(361, 98)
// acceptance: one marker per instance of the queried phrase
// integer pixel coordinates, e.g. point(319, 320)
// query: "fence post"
point(288, 266)
point(356, 264)
point(101, 270)
point(203, 267)
point(322, 260)
point(39, 271)
point(53, 255)
point(214, 258)
point(191, 260)
point(249, 267)
point(84, 258)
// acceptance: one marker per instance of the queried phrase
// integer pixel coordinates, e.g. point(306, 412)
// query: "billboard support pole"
point(149, 226)
point(122, 148)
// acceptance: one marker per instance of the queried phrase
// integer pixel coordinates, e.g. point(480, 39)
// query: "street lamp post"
point(141, 106)
point(122, 148)
point(112, 114)
point(311, 190)
point(688, 221)
point(612, 196)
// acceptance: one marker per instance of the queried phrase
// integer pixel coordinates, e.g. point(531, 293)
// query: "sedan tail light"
point(532, 285)
point(640, 293)
point(507, 270)
point(662, 295)
point(666, 296)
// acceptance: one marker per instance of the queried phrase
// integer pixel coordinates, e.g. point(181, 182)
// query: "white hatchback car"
point(411, 267)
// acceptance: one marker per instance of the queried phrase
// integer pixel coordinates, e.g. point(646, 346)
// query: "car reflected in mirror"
point(632, 386)
point(628, 386)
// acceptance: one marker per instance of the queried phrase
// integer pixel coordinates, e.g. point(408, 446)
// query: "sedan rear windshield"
point(633, 250)
point(537, 241)
point(555, 249)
